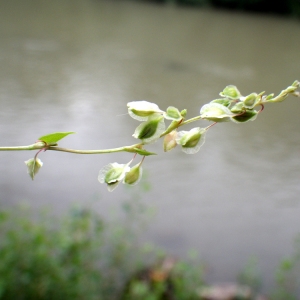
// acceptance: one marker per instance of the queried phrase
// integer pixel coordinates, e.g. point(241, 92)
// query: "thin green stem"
point(171, 128)
point(190, 121)
point(41, 145)
point(36, 146)
point(103, 151)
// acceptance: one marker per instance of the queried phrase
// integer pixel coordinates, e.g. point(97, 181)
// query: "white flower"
point(150, 130)
point(216, 112)
point(191, 141)
point(112, 174)
point(142, 110)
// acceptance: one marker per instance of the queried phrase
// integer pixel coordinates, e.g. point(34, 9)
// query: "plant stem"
point(40, 145)
point(103, 151)
point(36, 146)
point(171, 128)
point(190, 121)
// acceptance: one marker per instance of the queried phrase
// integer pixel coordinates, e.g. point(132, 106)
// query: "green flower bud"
point(224, 101)
point(251, 100)
point(284, 93)
point(112, 174)
point(183, 113)
point(170, 141)
point(33, 166)
point(231, 92)
point(173, 114)
point(215, 112)
point(238, 108)
point(266, 98)
point(191, 141)
point(142, 110)
point(150, 130)
point(134, 175)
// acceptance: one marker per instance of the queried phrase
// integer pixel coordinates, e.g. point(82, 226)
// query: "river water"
point(72, 65)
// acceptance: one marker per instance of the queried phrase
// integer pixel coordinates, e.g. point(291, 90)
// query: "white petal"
point(142, 110)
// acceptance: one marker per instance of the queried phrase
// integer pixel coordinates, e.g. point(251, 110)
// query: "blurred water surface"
point(72, 65)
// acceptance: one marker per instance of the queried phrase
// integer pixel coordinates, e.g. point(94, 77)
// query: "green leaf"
point(53, 138)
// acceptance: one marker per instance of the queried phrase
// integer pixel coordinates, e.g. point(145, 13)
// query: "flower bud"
point(173, 114)
point(215, 112)
point(150, 130)
point(142, 110)
point(134, 175)
point(183, 113)
point(170, 141)
point(268, 97)
point(238, 108)
point(284, 93)
point(224, 101)
point(33, 166)
point(112, 174)
point(192, 140)
point(231, 92)
point(251, 100)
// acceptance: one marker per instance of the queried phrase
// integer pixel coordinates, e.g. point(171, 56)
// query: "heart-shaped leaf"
point(53, 138)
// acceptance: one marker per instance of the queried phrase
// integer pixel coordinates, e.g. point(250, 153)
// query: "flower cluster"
point(114, 173)
point(239, 109)
point(232, 106)
point(149, 131)
point(154, 127)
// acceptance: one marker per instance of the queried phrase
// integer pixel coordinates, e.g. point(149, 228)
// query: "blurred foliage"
point(287, 276)
point(289, 7)
point(169, 279)
point(250, 275)
point(81, 256)
point(85, 256)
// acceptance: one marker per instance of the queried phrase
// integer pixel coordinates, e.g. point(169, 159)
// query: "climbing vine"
point(230, 106)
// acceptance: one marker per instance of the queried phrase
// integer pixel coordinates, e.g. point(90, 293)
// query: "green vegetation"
point(85, 256)
point(287, 276)
point(232, 106)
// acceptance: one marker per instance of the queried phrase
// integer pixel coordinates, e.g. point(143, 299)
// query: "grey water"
point(72, 65)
